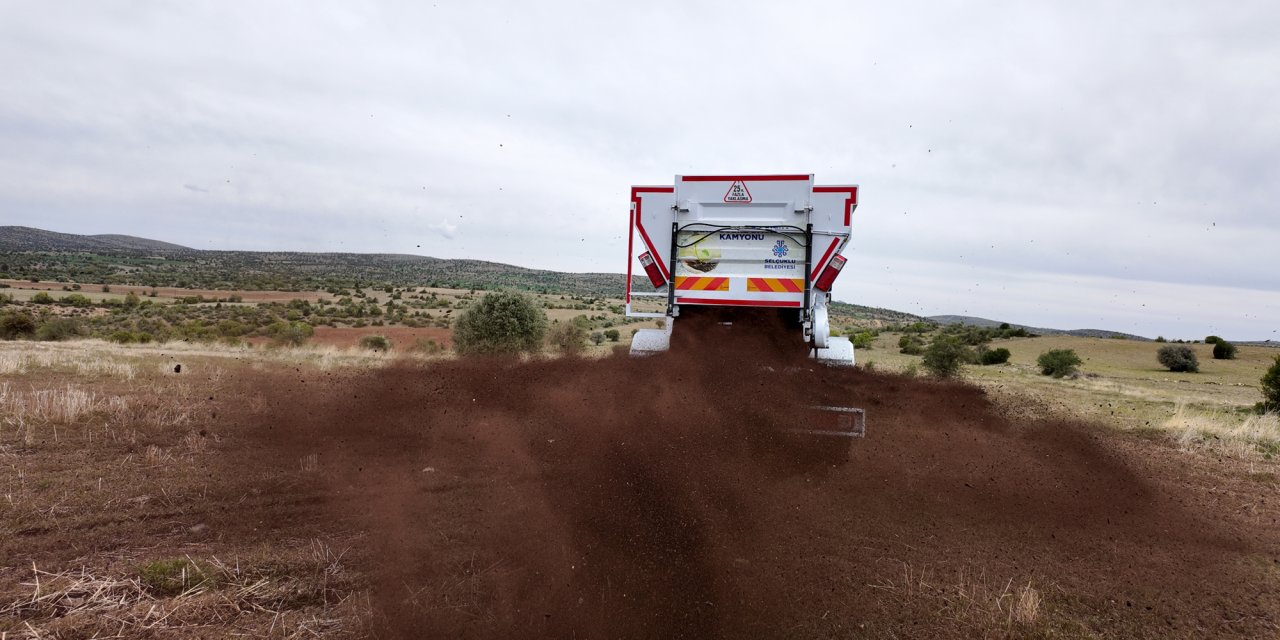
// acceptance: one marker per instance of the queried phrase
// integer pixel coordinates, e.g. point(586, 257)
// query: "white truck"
point(771, 243)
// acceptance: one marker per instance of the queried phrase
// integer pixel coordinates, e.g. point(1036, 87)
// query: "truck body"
point(766, 242)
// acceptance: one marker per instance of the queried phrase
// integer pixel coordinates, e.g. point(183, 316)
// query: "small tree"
point(1223, 350)
point(567, 337)
point(502, 323)
point(1178, 358)
point(945, 356)
point(1058, 362)
point(1211, 339)
point(597, 338)
point(1271, 387)
point(612, 335)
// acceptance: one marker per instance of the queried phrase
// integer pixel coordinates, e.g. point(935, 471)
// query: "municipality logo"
point(780, 249)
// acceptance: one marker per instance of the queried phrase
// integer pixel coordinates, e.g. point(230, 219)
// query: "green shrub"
point(77, 300)
point(375, 343)
point(1271, 387)
point(58, 329)
point(994, 356)
point(567, 337)
point(42, 298)
point(1058, 362)
point(16, 324)
point(123, 337)
point(1212, 339)
point(612, 335)
point(1178, 359)
point(597, 337)
point(1223, 350)
point(945, 355)
point(501, 323)
point(863, 340)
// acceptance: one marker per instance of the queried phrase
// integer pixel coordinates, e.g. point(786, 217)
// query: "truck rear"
point(763, 243)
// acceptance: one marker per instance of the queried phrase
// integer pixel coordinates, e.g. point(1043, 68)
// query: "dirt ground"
point(654, 498)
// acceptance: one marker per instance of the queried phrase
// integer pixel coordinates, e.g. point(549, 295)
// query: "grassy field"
point(1121, 384)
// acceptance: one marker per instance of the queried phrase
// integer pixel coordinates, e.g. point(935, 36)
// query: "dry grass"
point(181, 596)
point(1230, 432)
point(971, 600)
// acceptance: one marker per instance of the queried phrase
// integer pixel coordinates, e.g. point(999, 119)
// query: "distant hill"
point(1044, 331)
point(863, 317)
point(116, 259)
point(30, 239)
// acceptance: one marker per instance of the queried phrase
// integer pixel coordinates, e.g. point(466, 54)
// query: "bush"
point(42, 298)
point(1058, 362)
point(945, 356)
point(16, 324)
point(375, 343)
point(994, 356)
point(567, 337)
point(1180, 359)
point(1212, 339)
point(597, 338)
point(911, 345)
point(612, 335)
point(1223, 350)
point(289, 334)
point(59, 329)
point(501, 323)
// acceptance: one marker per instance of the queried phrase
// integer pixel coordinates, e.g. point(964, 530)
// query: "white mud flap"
point(839, 352)
point(647, 342)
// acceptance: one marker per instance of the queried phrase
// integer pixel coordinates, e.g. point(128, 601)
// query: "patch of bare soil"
point(402, 338)
point(660, 498)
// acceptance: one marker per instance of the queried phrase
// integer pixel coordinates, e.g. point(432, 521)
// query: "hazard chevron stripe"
point(692, 283)
point(775, 285)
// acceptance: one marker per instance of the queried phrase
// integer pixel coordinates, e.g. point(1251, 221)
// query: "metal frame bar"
point(857, 423)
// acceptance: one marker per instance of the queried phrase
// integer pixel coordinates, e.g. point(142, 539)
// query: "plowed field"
point(663, 498)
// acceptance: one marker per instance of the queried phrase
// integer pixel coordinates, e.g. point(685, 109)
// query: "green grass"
point(174, 576)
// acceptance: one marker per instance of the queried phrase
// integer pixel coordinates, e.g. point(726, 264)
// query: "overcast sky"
point(1109, 165)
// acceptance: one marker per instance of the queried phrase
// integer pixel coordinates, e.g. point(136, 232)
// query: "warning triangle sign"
point(737, 193)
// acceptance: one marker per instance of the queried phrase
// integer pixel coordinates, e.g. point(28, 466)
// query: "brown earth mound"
point(661, 498)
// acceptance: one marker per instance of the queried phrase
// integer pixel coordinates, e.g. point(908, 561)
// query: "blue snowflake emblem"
point(780, 249)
